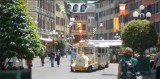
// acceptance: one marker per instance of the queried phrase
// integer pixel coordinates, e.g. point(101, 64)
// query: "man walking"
point(52, 56)
point(157, 63)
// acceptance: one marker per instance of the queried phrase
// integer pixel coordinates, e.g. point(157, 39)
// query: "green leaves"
point(139, 35)
point(17, 30)
point(61, 43)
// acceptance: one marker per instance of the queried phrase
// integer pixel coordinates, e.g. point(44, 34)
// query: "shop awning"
point(46, 39)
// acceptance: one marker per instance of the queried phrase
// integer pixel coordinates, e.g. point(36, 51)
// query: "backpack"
point(130, 67)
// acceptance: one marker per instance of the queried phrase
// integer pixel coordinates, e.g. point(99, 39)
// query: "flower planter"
point(143, 65)
point(15, 74)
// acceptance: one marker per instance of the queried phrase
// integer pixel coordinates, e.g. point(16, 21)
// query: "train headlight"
point(73, 64)
point(86, 65)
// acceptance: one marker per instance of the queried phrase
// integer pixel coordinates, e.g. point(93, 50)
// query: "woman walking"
point(58, 58)
point(52, 56)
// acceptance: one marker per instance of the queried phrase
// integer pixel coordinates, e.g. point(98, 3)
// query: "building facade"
point(107, 10)
point(104, 18)
point(80, 22)
point(49, 16)
point(90, 10)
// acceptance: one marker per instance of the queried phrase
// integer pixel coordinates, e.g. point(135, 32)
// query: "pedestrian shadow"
point(109, 74)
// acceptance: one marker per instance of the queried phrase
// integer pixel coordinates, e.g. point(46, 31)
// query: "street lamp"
point(61, 35)
point(71, 38)
point(116, 36)
point(53, 34)
point(141, 15)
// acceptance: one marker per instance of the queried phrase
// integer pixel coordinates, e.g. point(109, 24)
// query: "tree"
point(18, 34)
point(139, 35)
point(61, 43)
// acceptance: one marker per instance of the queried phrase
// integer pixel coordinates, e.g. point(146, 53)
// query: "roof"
point(79, 7)
point(46, 39)
point(100, 43)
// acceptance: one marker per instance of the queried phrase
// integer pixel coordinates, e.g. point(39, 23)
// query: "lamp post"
point(53, 34)
point(141, 15)
point(101, 27)
point(71, 38)
point(116, 35)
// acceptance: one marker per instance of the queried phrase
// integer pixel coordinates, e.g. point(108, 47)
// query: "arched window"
point(68, 7)
point(57, 7)
point(83, 7)
point(75, 8)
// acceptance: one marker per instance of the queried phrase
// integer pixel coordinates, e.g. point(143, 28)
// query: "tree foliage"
point(139, 35)
point(18, 34)
point(61, 44)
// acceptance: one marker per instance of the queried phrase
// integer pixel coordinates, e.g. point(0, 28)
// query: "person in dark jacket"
point(42, 57)
point(52, 57)
point(58, 58)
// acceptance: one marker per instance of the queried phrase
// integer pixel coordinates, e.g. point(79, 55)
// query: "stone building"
point(49, 16)
point(80, 22)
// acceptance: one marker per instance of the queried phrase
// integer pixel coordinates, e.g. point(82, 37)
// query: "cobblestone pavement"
point(63, 72)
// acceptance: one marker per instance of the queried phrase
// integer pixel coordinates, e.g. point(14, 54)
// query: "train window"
point(103, 50)
point(87, 50)
point(106, 50)
point(79, 50)
point(99, 50)
point(91, 51)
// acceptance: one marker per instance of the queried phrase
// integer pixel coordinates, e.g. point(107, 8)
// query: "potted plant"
point(140, 35)
point(18, 39)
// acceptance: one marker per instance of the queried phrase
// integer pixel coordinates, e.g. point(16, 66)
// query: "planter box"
point(16, 74)
point(143, 65)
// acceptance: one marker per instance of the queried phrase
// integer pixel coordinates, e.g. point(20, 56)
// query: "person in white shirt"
point(157, 63)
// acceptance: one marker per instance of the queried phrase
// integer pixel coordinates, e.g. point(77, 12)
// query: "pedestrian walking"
point(42, 57)
point(157, 63)
point(58, 58)
point(52, 57)
point(123, 65)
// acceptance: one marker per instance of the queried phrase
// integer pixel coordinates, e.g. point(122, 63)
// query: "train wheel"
point(72, 70)
point(99, 67)
point(89, 69)
point(107, 65)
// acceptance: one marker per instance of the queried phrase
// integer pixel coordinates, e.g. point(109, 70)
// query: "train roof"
point(99, 43)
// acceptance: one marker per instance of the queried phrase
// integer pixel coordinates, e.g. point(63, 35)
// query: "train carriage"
point(91, 55)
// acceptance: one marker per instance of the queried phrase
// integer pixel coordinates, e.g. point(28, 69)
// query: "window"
point(76, 17)
point(75, 27)
point(158, 6)
point(61, 21)
point(57, 20)
point(75, 8)
point(69, 7)
point(99, 50)
point(83, 17)
point(110, 35)
point(41, 3)
point(57, 7)
point(83, 26)
point(92, 21)
point(89, 21)
point(83, 7)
